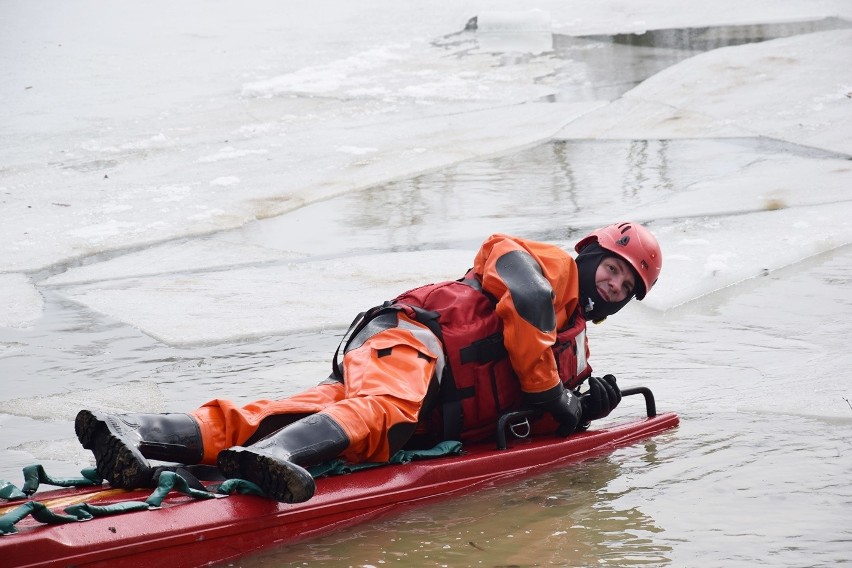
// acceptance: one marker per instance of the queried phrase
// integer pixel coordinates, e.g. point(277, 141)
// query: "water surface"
point(756, 474)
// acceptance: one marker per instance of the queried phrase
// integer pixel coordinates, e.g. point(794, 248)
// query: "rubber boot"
point(275, 462)
point(123, 443)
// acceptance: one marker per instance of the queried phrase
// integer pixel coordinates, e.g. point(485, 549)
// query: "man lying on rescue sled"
point(440, 362)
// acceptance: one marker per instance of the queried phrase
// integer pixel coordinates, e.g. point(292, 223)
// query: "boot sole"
point(117, 460)
point(280, 480)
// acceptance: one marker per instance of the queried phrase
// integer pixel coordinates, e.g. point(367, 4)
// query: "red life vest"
point(479, 383)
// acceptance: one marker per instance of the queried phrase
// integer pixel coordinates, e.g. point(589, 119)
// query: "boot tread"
point(116, 461)
point(283, 481)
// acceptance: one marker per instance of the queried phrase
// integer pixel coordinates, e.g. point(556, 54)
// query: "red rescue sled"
point(188, 533)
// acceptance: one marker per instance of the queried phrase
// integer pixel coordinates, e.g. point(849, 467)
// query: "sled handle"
point(650, 404)
point(517, 415)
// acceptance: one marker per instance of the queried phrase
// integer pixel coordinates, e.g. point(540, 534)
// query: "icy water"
point(753, 475)
point(756, 474)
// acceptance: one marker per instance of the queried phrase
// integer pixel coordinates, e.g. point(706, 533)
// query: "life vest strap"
point(488, 349)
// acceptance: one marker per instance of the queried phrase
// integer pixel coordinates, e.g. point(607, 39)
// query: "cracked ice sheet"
point(76, 217)
point(796, 89)
point(706, 254)
point(587, 17)
point(185, 257)
point(259, 301)
point(767, 215)
point(20, 302)
point(703, 246)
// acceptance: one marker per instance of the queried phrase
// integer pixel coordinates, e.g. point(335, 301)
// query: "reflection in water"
point(550, 191)
point(520, 192)
point(758, 473)
point(606, 67)
point(566, 517)
point(565, 171)
point(707, 38)
point(647, 163)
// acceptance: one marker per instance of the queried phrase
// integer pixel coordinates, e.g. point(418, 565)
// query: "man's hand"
point(603, 396)
point(566, 410)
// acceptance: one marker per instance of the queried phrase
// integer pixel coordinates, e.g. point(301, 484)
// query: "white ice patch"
point(161, 198)
point(717, 264)
point(534, 20)
point(132, 396)
point(231, 153)
point(20, 304)
point(169, 193)
point(49, 452)
point(156, 141)
point(765, 89)
point(400, 73)
point(201, 254)
point(8, 348)
point(355, 150)
point(766, 185)
point(225, 181)
point(102, 231)
point(526, 31)
point(693, 268)
point(259, 301)
point(592, 17)
point(250, 130)
point(327, 78)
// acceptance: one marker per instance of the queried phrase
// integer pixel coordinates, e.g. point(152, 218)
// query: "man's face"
point(614, 280)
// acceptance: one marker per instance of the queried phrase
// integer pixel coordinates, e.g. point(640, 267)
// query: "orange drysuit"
point(394, 363)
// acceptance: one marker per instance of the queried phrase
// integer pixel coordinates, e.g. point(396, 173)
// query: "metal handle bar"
point(650, 404)
point(509, 417)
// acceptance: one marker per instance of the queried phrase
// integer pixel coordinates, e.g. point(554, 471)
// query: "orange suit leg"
point(386, 382)
point(224, 424)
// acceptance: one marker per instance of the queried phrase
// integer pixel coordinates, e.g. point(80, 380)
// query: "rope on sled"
point(167, 481)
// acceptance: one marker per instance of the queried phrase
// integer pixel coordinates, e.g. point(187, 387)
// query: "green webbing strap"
point(87, 511)
point(340, 467)
point(446, 448)
point(168, 481)
point(241, 486)
point(35, 474)
point(9, 491)
point(39, 512)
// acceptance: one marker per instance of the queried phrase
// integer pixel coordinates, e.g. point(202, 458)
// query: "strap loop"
point(521, 429)
point(167, 481)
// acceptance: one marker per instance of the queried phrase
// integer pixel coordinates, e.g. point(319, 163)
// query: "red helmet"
point(635, 244)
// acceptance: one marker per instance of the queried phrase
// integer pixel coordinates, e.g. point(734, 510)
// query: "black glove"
point(603, 396)
point(566, 410)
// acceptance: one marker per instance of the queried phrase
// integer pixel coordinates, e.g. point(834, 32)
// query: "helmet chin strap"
point(594, 307)
point(589, 308)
